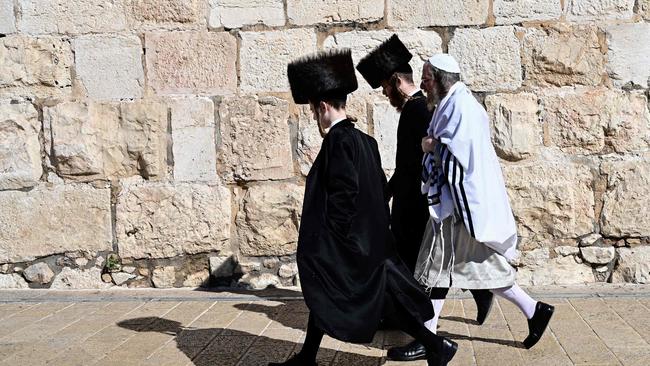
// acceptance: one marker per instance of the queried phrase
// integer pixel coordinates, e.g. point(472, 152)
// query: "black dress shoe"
point(411, 352)
point(294, 361)
point(484, 300)
point(538, 323)
point(442, 358)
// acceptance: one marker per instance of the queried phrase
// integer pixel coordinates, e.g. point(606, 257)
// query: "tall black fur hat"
point(383, 61)
point(322, 75)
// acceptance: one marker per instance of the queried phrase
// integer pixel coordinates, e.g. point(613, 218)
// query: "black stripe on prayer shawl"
point(465, 201)
point(459, 209)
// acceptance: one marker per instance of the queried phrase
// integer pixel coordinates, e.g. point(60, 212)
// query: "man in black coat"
point(387, 66)
point(349, 273)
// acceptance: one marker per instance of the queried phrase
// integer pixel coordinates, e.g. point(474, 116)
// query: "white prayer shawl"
point(463, 173)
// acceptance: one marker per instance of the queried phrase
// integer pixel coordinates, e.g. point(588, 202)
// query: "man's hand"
point(428, 144)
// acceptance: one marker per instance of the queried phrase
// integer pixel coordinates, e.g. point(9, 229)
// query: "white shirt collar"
point(337, 121)
point(414, 92)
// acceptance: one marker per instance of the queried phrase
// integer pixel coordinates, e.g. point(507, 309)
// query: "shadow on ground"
point(224, 347)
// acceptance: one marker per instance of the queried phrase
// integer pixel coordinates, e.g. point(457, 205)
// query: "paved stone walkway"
point(599, 325)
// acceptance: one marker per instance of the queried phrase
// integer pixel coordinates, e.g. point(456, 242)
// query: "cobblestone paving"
point(592, 326)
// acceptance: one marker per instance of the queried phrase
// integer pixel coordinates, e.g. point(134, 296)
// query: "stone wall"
point(155, 143)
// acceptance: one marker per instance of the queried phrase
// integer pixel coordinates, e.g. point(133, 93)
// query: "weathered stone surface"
point(598, 255)
point(71, 17)
point(192, 62)
point(535, 257)
point(166, 14)
point(259, 281)
point(120, 278)
point(79, 279)
point(424, 13)
point(310, 140)
point(128, 269)
point(556, 271)
point(160, 220)
point(164, 277)
point(46, 221)
point(7, 17)
point(626, 201)
point(288, 270)
point(268, 219)
point(109, 66)
point(12, 281)
point(222, 266)
point(633, 265)
point(644, 8)
point(265, 55)
point(577, 123)
point(588, 10)
point(422, 44)
point(489, 58)
point(627, 56)
point(550, 200)
point(39, 272)
point(517, 11)
point(196, 279)
point(248, 265)
point(591, 239)
point(20, 149)
point(563, 55)
point(193, 135)
point(108, 140)
point(516, 131)
point(385, 119)
point(255, 139)
point(35, 66)
point(305, 12)
point(566, 251)
point(237, 13)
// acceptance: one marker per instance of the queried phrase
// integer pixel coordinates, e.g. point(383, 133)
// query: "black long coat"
point(410, 212)
point(344, 244)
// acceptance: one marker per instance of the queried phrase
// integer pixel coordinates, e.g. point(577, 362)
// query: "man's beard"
point(397, 98)
point(432, 101)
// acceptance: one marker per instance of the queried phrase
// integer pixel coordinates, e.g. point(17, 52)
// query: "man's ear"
point(322, 106)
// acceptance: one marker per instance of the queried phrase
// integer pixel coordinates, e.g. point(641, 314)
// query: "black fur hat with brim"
point(383, 61)
point(326, 74)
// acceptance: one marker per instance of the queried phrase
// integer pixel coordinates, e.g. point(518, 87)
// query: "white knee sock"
point(432, 324)
point(519, 297)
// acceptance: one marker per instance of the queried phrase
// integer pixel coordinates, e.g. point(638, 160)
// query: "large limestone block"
point(192, 62)
point(109, 66)
point(35, 66)
point(71, 16)
point(255, 139)
point(516, 130)
point(626, 201)
point(305, 12)
point(590, 10)
point(633, 265)
point(627, 56)
point(79, 279)
point(49, 220)
point(12, 281)
point(166, 14)
point(489, 58)
point(556, 271)
point(160, 220)
point(20, 149)
point(309, 138)
point(268, 219)
point(517, 11)
point(385, 120)
point(39, 273)
point(550, 200)
point(264, 57)
point(7, 17)
point(237, 13)
point(578, 123)
point(422, 44)
point(193, 135)
point(108, 140)
point(563, 55)
point(425, 13)
point(598, 255)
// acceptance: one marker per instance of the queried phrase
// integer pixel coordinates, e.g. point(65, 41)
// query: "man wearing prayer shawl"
point(387, 66)
point(349, 272)
point(471, 233)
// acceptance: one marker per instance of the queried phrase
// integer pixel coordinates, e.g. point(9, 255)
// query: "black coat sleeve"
point(342, 183)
